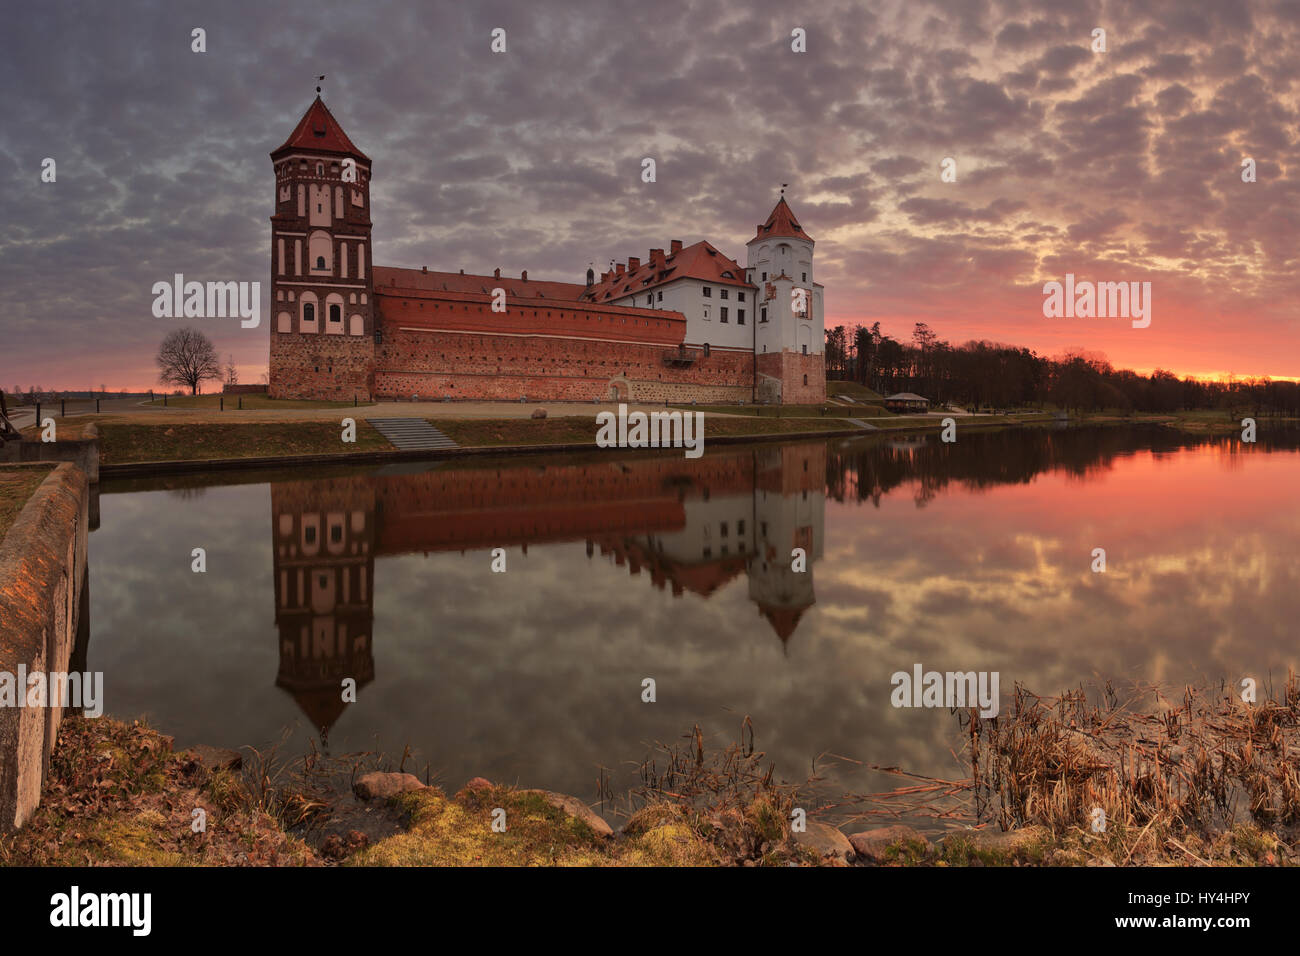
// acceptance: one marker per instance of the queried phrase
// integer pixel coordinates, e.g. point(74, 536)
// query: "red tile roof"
point(781, 222)
point(699, 261)
point(320, 132)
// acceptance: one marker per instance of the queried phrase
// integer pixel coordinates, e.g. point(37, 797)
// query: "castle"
point(689, 324)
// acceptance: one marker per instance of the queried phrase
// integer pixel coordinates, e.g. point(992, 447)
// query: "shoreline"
point(118, 792)
point(219, 431)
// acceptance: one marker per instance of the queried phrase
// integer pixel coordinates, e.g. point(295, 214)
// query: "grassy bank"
point(118, 794)
point(17, 483)
point(131, 442)
point(1210, 781)
point(126, 440)
point(122, 443)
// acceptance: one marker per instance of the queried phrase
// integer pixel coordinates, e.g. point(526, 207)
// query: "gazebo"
point(907, 402)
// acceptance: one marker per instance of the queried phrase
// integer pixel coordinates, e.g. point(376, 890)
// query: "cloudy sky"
point(1117, 166)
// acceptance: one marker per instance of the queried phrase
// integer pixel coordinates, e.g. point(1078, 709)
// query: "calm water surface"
point(971, 556)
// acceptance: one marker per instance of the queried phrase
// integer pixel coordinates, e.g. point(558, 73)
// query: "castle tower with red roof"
point(791, 329)
point(322, 292)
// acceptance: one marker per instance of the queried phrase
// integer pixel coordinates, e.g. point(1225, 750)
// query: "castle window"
point(708, 292)
point(764, 276)
point(805, 381)
point(805, 350)
point(723, 316)
point(320, 262)
point(320, 170)
point(741, 296)
point(706, 348)
point(723, 528)
point(740, 316)
point(805, 277)
point(336, 314)
point(740, 527)
point(706, 311)
point(723, 294)
point(661, 296)
point(763, 315)
point(308, 312)
point(649, 300)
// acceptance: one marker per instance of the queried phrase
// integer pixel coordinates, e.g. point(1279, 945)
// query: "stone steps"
point(411, 434)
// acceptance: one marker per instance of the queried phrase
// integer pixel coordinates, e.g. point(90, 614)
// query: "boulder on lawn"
point(575, 808)
point(870, 845)
point(539, 413)
point(1007, 841)
point(372, 785)
point(825, 840)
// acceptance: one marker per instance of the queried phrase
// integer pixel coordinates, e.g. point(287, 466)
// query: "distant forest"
point(987, 374)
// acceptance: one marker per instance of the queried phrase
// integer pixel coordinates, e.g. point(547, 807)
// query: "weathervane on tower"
point(319, 80)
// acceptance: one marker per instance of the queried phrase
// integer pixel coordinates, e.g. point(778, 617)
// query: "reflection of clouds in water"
point(534, 675)
point(195, 652)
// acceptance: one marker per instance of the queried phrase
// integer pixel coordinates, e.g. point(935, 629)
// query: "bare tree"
point(186, 357)
point(232, 373)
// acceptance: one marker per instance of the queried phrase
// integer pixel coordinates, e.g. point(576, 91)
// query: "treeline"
point(987, 374)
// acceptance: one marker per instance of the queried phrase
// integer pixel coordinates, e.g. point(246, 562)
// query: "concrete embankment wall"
point(44, 600)
point(84, 452)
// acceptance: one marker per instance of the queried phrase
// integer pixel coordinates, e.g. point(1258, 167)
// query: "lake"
point(975, 555)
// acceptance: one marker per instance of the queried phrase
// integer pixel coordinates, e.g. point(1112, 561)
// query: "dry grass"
point(1202, 779)
point(118, 796)
point(123, 443)
point(17, 484)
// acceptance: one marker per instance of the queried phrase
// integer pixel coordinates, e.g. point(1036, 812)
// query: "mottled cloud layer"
point(1115, 166)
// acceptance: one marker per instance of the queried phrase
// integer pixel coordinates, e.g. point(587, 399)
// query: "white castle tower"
point(790, 333)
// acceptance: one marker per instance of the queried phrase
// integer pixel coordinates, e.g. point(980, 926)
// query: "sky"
point(1115, 166)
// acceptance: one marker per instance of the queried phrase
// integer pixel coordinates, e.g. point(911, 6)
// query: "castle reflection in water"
point(680, 524)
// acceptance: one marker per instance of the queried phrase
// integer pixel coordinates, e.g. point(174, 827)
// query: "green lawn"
point(852, 390)
point(122, 443)
point(17, 483)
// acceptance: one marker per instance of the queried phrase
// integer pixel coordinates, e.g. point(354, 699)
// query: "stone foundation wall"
point(321, 367)
point(441, 364)
point(43, 610)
